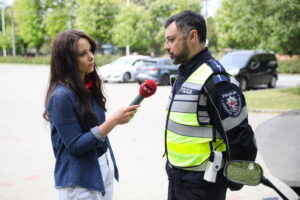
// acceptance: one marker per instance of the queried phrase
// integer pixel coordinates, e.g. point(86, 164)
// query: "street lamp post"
point(3, 29)
point(206, 10)
point(127, 45)
point(13, 32)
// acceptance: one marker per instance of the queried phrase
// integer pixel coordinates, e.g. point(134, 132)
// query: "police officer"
point(206, 116)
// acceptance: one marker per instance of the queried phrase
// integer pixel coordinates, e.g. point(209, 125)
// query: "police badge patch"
point(231, 102)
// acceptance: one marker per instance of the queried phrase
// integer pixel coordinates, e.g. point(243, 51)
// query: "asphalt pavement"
point(27, 161)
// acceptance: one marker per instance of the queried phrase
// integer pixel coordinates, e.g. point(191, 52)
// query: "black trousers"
point(188, 185)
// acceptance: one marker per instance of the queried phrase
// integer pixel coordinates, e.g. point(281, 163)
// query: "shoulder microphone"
point(147, 89)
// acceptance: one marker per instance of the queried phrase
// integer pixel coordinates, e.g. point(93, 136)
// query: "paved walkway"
point(27, 161)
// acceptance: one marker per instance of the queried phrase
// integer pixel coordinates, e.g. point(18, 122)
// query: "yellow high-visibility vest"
point(187, 141)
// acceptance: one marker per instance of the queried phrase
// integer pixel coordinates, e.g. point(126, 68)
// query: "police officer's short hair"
point(188, 20)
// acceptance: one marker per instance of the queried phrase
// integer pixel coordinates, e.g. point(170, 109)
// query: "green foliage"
point(260, 24)
point(142, 25)
point(58, 16)
point(273, 99)
point(26, 60)
point(96, 18)
point(294, 91)
point(159, 12)
point(5, 40)
point(291, 66)
point(105, 59)
point(212, 34)
point(99, 59)
point(29, 21)
point(131, 27)
point(232, 30)
point(284, 26)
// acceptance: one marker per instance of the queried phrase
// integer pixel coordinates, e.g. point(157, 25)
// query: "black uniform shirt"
point(241, 137)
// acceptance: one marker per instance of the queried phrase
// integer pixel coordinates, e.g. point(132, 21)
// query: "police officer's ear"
point(193, 36)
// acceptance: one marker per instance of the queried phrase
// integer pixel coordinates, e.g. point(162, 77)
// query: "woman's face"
point(85, 58)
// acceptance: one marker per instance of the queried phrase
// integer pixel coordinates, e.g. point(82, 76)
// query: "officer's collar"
point(194, 62)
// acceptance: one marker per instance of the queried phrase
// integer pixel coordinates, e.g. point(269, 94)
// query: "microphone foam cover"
point(147, 88)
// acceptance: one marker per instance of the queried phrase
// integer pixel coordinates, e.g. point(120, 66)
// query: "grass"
point(277, 100)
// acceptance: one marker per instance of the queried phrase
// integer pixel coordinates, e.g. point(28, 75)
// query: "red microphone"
point(147, 89)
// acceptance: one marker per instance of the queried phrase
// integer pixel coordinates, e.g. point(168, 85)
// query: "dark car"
point(157, 69)
point(251, 68)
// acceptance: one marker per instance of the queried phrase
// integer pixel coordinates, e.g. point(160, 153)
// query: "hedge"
point(45, 60)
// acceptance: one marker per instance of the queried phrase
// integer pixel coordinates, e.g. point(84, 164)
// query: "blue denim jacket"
point(76, 149)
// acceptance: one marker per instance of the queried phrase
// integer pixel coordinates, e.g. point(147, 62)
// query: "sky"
point(212, 6)
point(9, 2)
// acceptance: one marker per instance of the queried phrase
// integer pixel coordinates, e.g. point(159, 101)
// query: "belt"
point(200, 168)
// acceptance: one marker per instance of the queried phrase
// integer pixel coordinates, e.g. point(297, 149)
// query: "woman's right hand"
point(121, 116)
point(125, 114)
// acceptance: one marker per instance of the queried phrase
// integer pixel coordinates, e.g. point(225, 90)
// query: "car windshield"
point(145, 63)
point(235, 60)
point(124, 61)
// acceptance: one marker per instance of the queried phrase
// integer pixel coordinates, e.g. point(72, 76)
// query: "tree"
point(5, 39)
point(59, 16)
point(96, 18)
point(143, 23)
point(260, 24)
point(131, 27)
point(29, 19)
point(284, 27)
point(159, 12)
point(212, 34)
point(234, 25)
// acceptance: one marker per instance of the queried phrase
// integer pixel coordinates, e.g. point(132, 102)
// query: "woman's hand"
point(125, 114)
point(121, 116)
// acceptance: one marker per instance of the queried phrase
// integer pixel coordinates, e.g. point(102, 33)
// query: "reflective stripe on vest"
point(187, 141)
point(198, 131)
point(184, 151)
point(231, 122)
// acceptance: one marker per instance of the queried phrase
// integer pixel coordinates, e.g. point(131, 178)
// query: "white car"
point(122, 69)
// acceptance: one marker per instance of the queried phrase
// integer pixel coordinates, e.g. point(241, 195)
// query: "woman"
point(75, 106)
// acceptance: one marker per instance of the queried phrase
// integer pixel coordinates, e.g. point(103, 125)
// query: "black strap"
point(214, 134)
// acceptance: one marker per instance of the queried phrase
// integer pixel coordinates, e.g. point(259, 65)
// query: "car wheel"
point(243, 84)
point(126, 77)
point(165, 80)
point(272, 83)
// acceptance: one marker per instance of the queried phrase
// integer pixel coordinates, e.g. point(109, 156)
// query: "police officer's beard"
point(182, 57)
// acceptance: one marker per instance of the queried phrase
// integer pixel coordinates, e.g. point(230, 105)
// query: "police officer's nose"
point(167, 46)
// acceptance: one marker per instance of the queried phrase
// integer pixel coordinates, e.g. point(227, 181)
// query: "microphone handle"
point(138, 99)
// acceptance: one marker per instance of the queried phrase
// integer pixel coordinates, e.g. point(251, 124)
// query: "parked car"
point(251, 68)
point(122, 69)
point(157, 69)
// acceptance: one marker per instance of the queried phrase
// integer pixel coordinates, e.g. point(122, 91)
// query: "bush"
point(25, 59)
point(291, 66)
point(105, 59)
point(45, 60)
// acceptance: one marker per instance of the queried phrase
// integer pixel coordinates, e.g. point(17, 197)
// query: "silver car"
point(121, 70)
